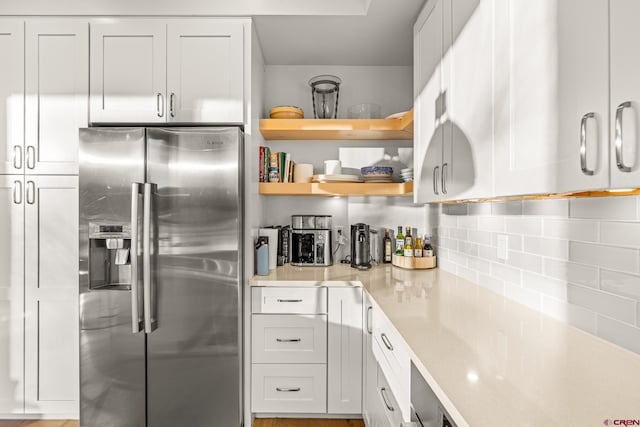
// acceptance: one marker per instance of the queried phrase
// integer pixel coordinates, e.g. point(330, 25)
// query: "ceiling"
point(384, 36)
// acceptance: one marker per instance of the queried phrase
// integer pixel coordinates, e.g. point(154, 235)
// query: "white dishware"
point(336, 178)
point(302, 172)
point(332, 167)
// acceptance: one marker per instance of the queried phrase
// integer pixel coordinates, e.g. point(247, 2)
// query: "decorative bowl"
point(286, 112)
point(376, 172)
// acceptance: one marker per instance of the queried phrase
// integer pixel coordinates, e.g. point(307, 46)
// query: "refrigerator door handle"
point(136, 309)
point(150, 322)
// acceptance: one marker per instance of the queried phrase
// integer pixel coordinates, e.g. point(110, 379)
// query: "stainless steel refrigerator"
point(160, 274)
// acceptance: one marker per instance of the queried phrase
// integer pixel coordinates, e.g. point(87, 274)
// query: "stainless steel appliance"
point(426, 409)
point(360, 246)
point(160, 274)
point(311, 240)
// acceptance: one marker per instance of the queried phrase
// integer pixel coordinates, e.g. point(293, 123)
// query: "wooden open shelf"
point(315, 129)
point(336, 189)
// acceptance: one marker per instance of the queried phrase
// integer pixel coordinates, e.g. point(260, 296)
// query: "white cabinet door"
point(467, 165)
point(128, 72)
point(11, 96)
point(369, 368)
point(57, 85)
point(428, 103)
point(11, 294)
point(344, 360)
point(205, 78)
point(51, 295)
point(551, 74)
point(625, 94)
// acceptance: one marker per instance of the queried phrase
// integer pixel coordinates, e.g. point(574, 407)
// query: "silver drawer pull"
point(369, 329)
point(386, 341)
point(583, 143)
point(289, 300)
point(619, 139)
point(383, 393)
point(284, 389)
point(288, 339)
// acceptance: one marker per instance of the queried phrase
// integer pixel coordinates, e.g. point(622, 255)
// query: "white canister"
point(302, 172)
point(332, 167)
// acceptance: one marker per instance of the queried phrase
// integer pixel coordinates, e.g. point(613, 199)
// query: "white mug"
point(302, 172)
point(332, 167)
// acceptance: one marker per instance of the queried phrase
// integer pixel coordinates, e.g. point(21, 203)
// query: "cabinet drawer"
point(393, 357)
point(289, 300)
point(285, 338)
point(289, 388)
point(389, 402)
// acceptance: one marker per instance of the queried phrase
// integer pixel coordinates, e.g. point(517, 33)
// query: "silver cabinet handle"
point(160, 100)
point(288, 339)
point(383, 393)
point(289, 300)
point(286, 389)
point(368, 324)
point(435, 180)
point(136, 310)
point(171, 99)
point(619, 136)
point(444, 187)
point(17, 157)
point(386, 341)
point(583, 143)
point(150, 322)
point(31, 157)
point(31, 192)
point(17, 192)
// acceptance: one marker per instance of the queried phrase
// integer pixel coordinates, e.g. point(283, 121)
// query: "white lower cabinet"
point(289, 388)
point(39, 295)
point(306, 350)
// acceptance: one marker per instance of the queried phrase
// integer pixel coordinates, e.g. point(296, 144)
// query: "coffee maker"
point(360, 246)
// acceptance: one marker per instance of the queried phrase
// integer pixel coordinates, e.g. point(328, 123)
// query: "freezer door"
point(193, 365)
point(112, 357)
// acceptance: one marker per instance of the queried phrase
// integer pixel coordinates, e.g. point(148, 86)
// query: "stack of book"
point(275, 167)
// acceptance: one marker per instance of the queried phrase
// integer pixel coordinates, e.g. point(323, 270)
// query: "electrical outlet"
point(339, 230)
point(340, 237)
point(503, 244)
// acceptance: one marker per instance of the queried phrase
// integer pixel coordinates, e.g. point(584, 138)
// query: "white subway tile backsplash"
point(623, 284)
point(619, 333)
point(525, 261)
point(480, 265)
point(491, 223)
point(448, 243)
point(618, 208)
point(545, 285)
point(458, 258)
point(458, 233)
point(507, 208)
point(619, 308)
point(571, 272)
point(621, 259)
point(479, 208)
point(577, 316)
point(553, 248)
point(491, 283)
point(620, 233)
point(468, 222)
point(468, 248)
point(524, 225)
point(443, 232)
point(552, 207)
point(488, 252)
point(574, 229)
point(524, 296)
point(514, 241)
point(455, 209)
point(447, 265)
point(448, 220)
point(480, 237)
point(506, 273)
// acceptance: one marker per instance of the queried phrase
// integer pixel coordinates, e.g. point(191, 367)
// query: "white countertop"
point(491, 361)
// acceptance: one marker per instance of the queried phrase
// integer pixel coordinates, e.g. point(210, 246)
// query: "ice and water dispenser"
point(110, 256)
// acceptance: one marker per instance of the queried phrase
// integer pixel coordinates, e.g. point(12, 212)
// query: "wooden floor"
point(261, 422)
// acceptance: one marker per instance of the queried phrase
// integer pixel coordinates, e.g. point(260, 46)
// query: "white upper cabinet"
point(625, 94)
point(159, 71)
point(551, 96)
point(453, 100)
point(57, 85)
point(11, 96)
point(128, 71)
point(204, 71)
